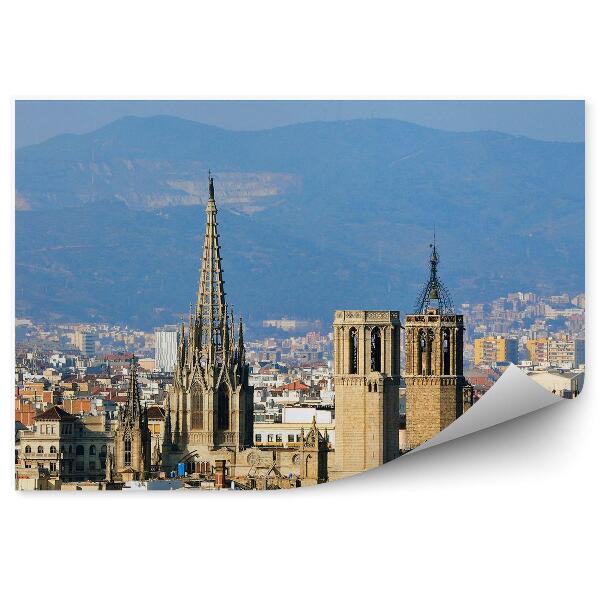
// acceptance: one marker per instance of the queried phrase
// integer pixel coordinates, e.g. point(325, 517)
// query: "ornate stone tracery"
point(210, 404)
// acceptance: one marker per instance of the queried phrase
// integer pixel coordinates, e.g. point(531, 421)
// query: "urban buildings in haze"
point(490, 350)
point(564, 351)
point(86, 342)
point(166, 349)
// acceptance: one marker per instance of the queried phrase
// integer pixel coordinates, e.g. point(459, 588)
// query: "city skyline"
point(214, 421)
point(222, 396)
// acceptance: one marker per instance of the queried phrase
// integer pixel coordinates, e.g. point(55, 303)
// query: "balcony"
point(41, 456)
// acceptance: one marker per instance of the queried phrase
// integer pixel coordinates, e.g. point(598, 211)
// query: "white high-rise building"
point(166, 349)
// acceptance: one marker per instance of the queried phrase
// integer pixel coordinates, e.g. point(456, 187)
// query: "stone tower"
point(313, 455)
point(210, 405)
point(367, 384)
point(436, 391)
point(131, 460)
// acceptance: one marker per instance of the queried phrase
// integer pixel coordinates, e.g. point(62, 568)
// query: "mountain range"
point(312, 217)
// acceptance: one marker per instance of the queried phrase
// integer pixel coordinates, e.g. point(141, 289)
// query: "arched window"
point(52, 449)
point(374, 387)
point(369, 387)
point(421, 346)
point(70, 449)
point(197, 408)
point(353, 366)
point(127, 451)
point(79, 451)
point(92, 449)
point(223, 408)
point(27, 449)
point(40, 449)
point(376, 350)
point(428, 352)
point(445, 352)
point(308, 462)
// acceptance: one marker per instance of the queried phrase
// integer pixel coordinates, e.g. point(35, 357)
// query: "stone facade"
point(367, 384)
point(61, 448)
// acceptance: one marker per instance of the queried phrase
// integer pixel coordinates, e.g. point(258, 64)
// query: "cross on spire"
point(211, 187)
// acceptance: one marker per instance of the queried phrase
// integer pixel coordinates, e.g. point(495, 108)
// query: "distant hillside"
point(313, 217)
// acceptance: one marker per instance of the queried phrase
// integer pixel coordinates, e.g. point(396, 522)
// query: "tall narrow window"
point(353, 351)
point(421, 351)
point(445, 352)
point(428, 352)
point(376, 350)
point(127, 451)
point(223, 408)
point(197, 408)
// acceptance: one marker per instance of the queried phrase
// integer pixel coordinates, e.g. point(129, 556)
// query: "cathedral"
point(209, 408)
point(209, 412)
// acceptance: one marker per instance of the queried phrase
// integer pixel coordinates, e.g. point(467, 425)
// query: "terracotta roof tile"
point(55, 413)
point(156, 412)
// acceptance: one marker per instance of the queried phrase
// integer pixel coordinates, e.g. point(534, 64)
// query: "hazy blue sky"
point(555, 120)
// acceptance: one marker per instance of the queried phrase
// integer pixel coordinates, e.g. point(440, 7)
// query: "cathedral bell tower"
point(436, 391)
point(367, 384)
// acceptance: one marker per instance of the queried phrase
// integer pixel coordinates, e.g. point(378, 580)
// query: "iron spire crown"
point(434, 294)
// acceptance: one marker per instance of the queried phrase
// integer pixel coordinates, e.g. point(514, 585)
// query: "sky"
point(551, 120)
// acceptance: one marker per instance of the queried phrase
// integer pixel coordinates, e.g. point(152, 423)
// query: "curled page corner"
point(513, 395)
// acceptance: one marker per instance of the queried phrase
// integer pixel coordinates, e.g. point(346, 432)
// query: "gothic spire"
point(181, 353)
point(210, 304)
point(434, 292)
point(132, 412)
point(241, 349)
point(167, 434)
point(232, 331)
